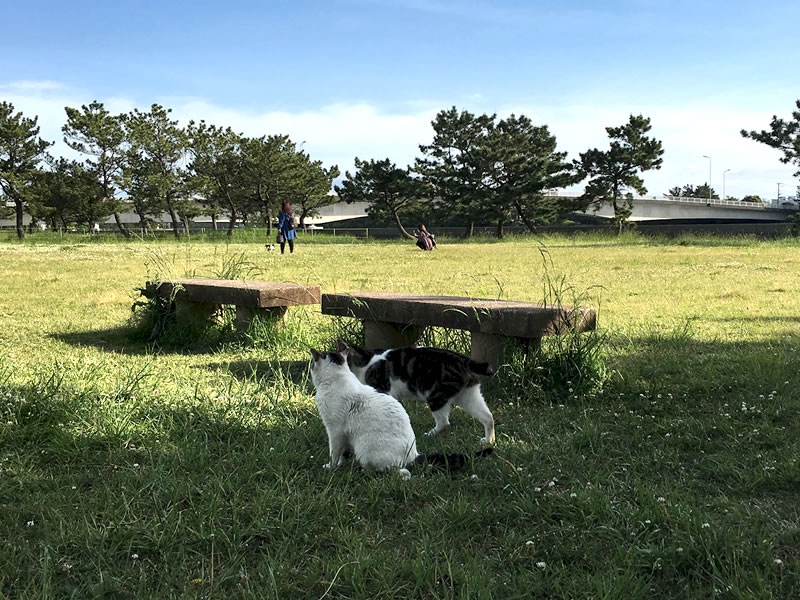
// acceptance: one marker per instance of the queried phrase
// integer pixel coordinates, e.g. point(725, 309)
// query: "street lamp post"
point(709, 175)
point(778, 199)
point(723, 183)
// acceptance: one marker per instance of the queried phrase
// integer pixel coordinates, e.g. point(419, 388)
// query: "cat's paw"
point(326, 466)
point(485, 440)
point(437, 430)
point(404, 474)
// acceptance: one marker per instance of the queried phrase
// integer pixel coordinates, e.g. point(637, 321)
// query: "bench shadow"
point(114, 339)
point(123, 340)
point(296, 370)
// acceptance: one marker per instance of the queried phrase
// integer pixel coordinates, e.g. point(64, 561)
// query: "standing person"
point(425, 239)
point(286, 232)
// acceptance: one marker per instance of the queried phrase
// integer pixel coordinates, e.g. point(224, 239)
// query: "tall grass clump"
point(572, 362)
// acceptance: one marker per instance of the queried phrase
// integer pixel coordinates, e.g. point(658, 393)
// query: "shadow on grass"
point(126, 340)
point(755, 319)
point(245, 370)
point(678, 360)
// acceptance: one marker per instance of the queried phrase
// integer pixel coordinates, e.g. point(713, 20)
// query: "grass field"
point(192, 469)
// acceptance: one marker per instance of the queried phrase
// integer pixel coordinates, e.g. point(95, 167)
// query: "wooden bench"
point(196, 300)
point(392, 319)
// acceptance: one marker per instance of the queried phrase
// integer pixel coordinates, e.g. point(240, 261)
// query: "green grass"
point(192, 469)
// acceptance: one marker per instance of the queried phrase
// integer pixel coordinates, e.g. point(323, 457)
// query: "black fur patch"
point(378, 375)
point(336, 358)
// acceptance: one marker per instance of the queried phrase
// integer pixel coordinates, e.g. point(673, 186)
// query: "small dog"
point(270, 247)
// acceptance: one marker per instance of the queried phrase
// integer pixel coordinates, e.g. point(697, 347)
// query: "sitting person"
point(425, 239)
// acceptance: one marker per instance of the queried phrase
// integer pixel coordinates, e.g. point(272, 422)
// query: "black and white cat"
point(441, 378)
point(359, 419)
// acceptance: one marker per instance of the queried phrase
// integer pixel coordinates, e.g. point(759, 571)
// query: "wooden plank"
point(254, 294)
point(497, 317)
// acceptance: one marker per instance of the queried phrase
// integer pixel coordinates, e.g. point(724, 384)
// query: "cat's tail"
point(480, 368)
point(449, 461)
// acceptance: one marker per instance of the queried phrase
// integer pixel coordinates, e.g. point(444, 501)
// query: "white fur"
point(373, 425)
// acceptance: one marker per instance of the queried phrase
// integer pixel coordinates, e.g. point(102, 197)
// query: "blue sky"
point(365, 77)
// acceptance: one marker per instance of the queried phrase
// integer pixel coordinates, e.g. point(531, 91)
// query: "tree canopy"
point(390, 191)
point(783, 135)
point(21, 150)
point(690, 191)
point(93, 131)
point(615, 171)
point(479, 168)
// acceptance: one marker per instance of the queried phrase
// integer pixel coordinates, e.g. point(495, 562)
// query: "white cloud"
point(336, 133)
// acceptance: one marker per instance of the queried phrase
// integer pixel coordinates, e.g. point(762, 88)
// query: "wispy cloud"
point(31, 86)
point(336, 133)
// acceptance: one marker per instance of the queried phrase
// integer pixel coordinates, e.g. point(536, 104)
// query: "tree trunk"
point(142, 218)
point(122, 229)
point(214, 221)
point(400, 226)
point(521, 213)
point(20, 225)
point(500, 228)
point(232, 223)
point(175, 222)
point(185, 224)
point(469, 230)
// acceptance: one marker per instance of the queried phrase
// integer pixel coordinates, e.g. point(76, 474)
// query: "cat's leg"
point(337, 444)
point(471, 400)
point(442, 419)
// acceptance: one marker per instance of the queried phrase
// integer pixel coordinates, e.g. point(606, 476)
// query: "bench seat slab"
point(493, 317)
point(255, 294)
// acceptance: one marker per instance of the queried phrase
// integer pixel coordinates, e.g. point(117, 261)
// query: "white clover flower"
point(541, 564)
point(529, 543)
point(135, 556)
point(474, 477)
point(661, 499)
point(537, 489)
point(573, 495)
point(706, 525)
point(30, 524)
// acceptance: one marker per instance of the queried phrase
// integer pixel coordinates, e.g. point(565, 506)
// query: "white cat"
point(373, 426)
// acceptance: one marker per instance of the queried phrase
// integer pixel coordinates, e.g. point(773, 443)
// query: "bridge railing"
point(689, 200)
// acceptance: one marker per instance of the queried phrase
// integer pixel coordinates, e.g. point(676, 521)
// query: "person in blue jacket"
point(286, 232)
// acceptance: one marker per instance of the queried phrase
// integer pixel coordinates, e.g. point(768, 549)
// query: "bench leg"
point(378, 334)
point(193, 314)
point(492, 348)
point(246, 314)
point(489, 348)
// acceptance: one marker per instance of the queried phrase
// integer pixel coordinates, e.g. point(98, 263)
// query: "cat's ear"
point(341, 345)
point(316, 355)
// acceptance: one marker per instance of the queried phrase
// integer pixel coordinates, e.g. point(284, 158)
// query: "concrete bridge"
point(674, 208)
point(667, 208)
